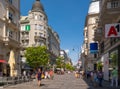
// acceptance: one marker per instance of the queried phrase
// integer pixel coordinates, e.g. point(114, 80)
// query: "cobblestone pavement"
point(67, 81)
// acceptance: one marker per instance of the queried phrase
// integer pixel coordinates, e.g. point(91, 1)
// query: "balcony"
point(11, 42)
point(39, 38)
point(25, 38)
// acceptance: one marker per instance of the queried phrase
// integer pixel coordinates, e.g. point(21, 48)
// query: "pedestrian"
point(95, 81)
point(91, 77)
point(100, 77)
point(38, 76)
point(114, 77)
point(46, 74)
point(51, 74)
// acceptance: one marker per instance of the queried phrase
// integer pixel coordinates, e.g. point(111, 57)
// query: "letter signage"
point(112, 30)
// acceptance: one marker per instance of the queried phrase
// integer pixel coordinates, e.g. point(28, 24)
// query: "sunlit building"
point(9, 34)
point(35, 31)
point(91, 24)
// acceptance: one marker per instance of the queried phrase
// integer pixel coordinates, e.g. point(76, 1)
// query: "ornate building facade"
point(9, 34)
point(35, 31)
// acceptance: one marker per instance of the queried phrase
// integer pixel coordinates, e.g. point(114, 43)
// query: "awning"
point(3, 61)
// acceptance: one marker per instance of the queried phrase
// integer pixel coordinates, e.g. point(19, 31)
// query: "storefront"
point(114, 60)
point(4, 68)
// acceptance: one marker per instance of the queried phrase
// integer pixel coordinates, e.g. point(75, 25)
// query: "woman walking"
point(39, 74)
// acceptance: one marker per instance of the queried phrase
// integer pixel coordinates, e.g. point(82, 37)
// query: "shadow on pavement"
point(42, 84)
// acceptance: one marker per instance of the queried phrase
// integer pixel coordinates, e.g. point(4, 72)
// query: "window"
point(39, 27)
point(10, 16)
point(86, 45)
point(23, 28)
point(35, 26)
point(10, 34)
point(102, 47)
point(95, 55)
point(36, 17)
point(10, 1)
point(41, 17)
point(113, 4)
point(35, 33)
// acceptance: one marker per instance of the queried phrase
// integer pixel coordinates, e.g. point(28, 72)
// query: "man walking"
point(114, 77)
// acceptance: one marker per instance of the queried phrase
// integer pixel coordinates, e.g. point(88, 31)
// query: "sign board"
point(112, 30)
point(93, 48)
point(25, 28)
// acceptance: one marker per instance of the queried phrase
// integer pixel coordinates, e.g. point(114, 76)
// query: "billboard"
point(112, 30)
point(93, 48)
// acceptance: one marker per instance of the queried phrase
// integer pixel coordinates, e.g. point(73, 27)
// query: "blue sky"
point(67, 18)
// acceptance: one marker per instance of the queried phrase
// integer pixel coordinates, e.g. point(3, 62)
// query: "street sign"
point(112, 30)
point(93, 48)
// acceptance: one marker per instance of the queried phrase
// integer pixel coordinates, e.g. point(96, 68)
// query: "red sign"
point(112, 30)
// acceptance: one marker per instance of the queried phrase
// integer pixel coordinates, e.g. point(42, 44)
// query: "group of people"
point(96, 77)
point(47, 74)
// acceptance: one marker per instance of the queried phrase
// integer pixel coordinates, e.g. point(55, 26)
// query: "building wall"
point(91, 24)
point(54, 42)
point(9, 31)
point(109, 14)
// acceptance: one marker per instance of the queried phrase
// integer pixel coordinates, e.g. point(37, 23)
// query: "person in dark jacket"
point(38, 76)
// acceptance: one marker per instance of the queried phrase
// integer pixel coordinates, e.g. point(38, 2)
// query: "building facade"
point(53, 45)
point(9, 34)
point(109, 47)
point(89, 35)
point(35, 31)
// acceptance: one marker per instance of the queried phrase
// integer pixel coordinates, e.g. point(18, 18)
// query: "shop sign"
point(112, 30)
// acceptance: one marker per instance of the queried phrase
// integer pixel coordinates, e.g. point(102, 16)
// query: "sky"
point(67, 18)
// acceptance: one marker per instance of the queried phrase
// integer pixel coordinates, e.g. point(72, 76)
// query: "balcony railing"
point(39, 38)
point(11, 41)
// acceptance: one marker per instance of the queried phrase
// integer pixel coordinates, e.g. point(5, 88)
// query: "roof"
point(37, 6)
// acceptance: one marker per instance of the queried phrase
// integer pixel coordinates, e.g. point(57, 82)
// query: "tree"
point(69, 67)
point(114, 61)
point(99, 65)
point(60, 62)
point(37, 56)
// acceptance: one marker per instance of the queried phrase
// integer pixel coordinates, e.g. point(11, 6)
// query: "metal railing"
point(6, 81)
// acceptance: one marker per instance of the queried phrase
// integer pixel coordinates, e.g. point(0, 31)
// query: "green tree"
point(114, 61)
point(60, 62)
point(69, 67)
point(37, 56)
point(99, 66)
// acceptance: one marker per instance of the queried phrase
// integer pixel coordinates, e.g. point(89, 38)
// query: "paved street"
point(67, 81)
